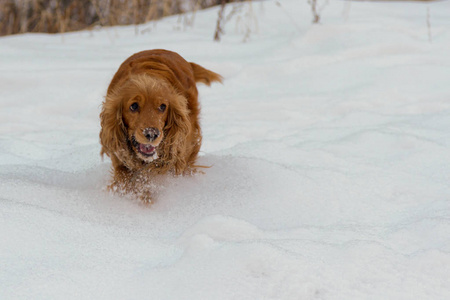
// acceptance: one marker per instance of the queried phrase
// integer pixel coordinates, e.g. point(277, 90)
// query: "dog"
point(150, 119)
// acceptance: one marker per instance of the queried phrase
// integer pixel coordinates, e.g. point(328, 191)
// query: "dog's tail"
point(205, 76)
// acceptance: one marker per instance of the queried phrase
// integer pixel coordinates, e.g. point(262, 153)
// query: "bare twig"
point(315, 12)
point(219, 29)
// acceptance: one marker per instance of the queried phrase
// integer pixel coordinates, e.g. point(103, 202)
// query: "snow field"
point(329, 148)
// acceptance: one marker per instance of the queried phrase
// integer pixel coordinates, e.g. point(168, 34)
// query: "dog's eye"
point(162, 107)
point(134, 106)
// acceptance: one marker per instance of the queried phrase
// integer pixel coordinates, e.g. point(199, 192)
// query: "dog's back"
point(167, 63)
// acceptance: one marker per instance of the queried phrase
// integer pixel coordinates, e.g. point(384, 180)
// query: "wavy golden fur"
point(150, 119)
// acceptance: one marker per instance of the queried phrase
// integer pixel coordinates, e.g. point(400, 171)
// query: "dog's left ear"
point(177, 130)
point(113, 133)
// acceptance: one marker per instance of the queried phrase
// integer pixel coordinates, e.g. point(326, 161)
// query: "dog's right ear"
point(113, 132)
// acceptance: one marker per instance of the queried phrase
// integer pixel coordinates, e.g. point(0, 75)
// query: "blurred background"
point(56, 16)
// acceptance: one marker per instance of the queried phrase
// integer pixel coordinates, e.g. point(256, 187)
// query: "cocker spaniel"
point(150, 119)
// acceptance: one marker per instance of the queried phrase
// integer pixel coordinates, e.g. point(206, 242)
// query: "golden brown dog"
point(150, 119)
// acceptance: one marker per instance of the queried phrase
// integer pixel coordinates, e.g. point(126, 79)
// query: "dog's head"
point(144, 113)
point(142, 119)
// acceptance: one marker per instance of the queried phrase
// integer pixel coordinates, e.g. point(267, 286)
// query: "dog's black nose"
point(151, 133)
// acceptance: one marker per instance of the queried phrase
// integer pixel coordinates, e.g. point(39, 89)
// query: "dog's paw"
point(138, 190)
point(143, 195)
point(146, 198)
point(114, 187)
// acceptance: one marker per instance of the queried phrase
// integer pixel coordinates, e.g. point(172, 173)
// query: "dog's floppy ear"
point(177, 130)
point(113, 132)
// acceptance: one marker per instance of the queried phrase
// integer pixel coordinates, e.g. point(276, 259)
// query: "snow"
point(328, 146)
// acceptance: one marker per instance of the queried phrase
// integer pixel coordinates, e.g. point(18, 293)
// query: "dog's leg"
point(121, 183)
point(129, 182)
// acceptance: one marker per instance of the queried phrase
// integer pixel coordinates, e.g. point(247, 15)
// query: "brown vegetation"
point(53, 16)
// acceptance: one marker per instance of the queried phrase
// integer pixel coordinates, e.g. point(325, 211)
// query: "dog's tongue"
point(146, 149)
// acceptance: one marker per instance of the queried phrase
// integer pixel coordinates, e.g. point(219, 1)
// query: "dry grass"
point(54, 16)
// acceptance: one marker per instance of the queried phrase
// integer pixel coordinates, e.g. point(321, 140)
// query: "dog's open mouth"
point(146, 150)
